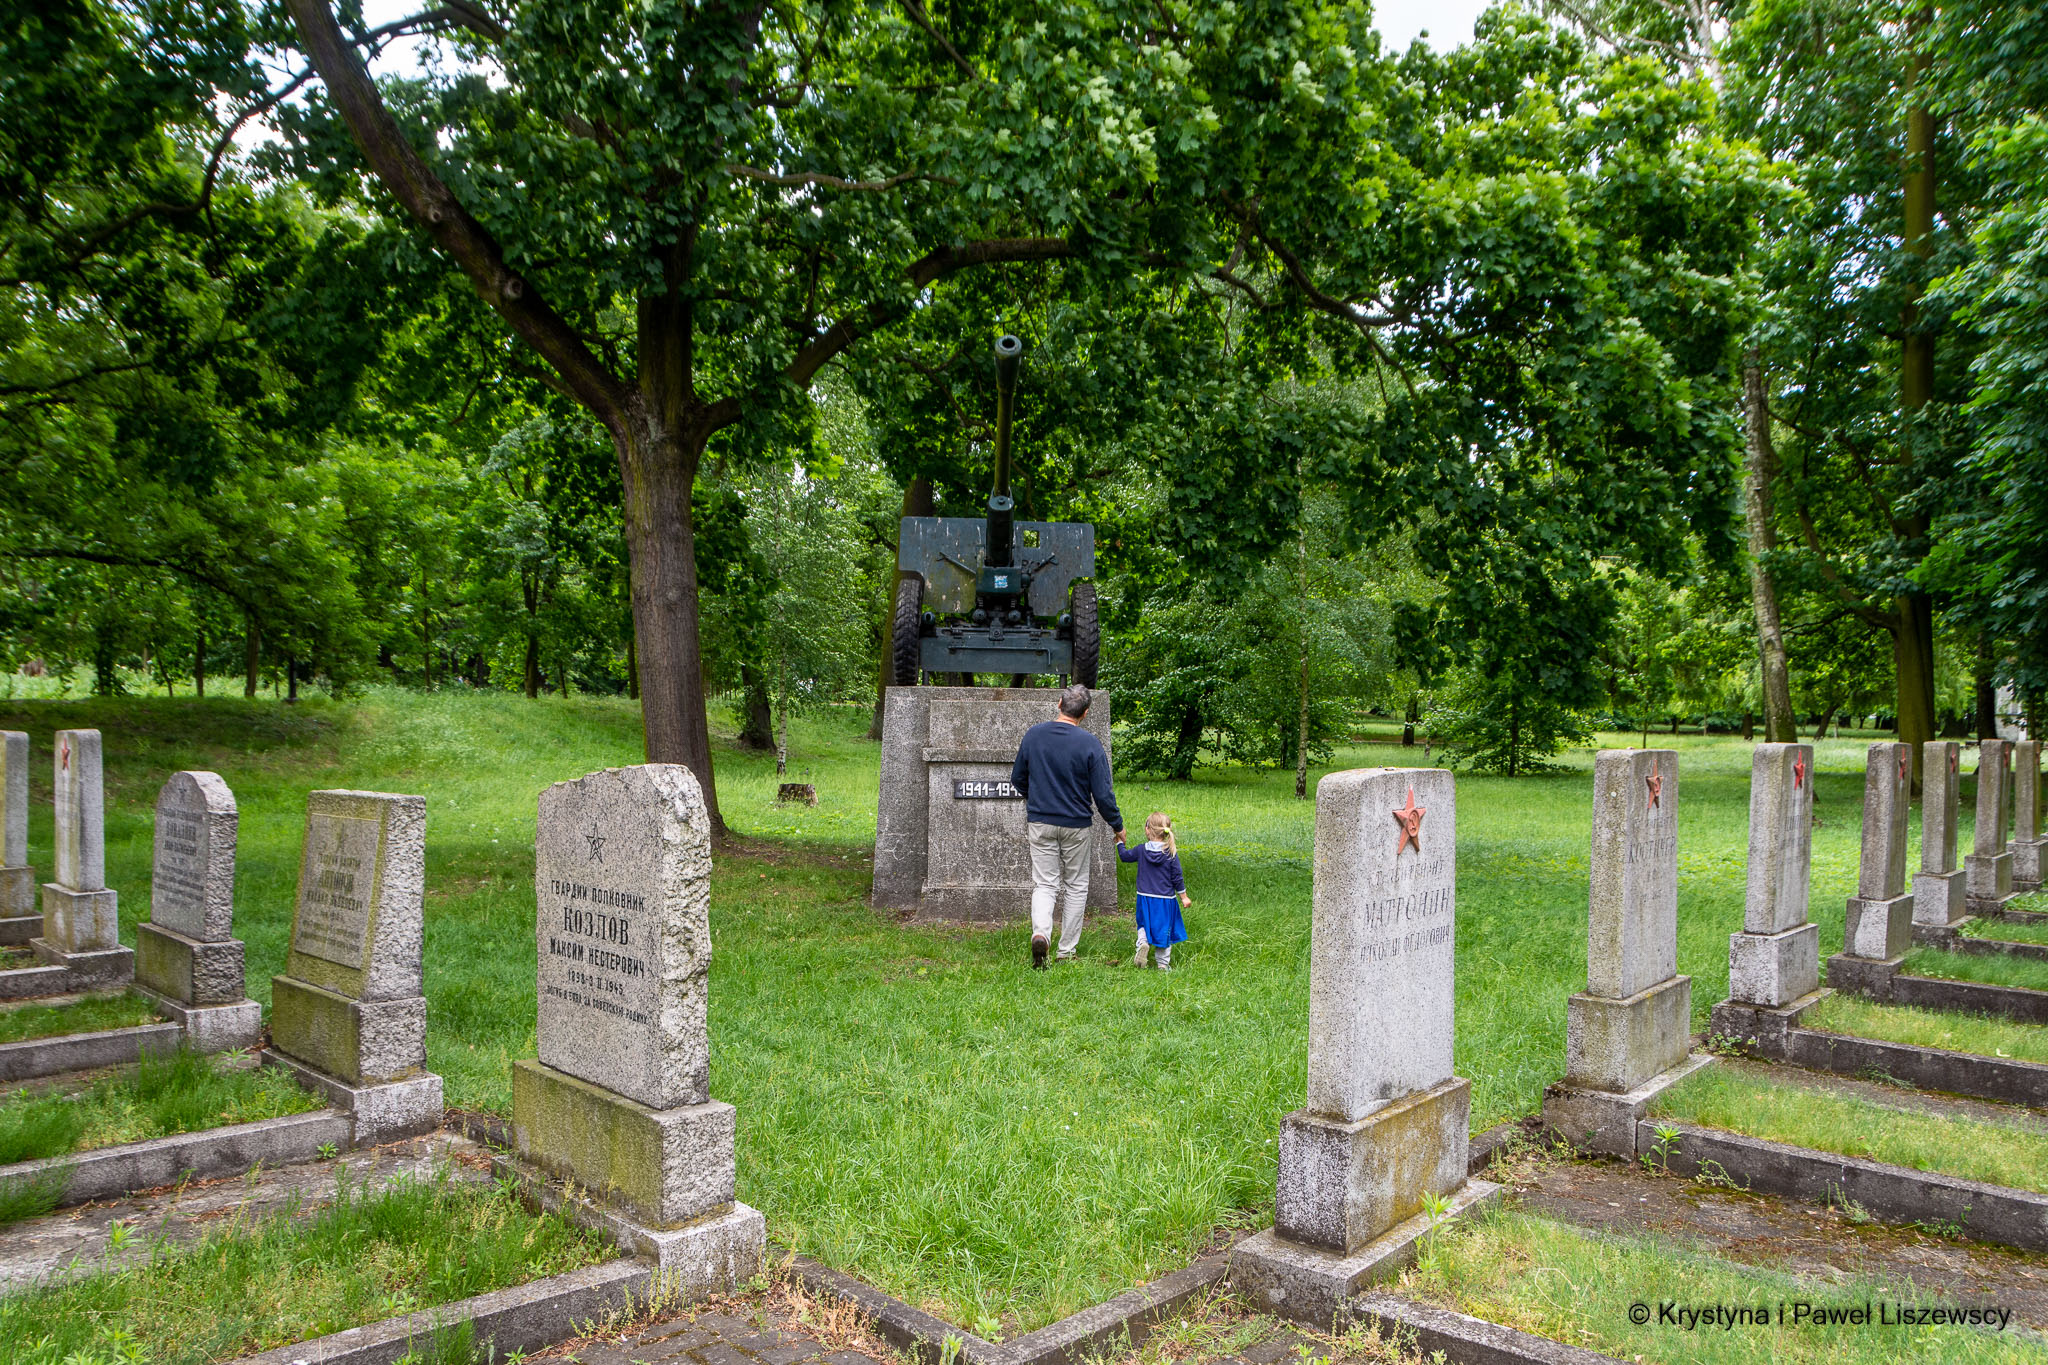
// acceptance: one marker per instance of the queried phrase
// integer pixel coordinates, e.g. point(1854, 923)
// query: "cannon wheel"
point(904, 639)
point(1087, 633)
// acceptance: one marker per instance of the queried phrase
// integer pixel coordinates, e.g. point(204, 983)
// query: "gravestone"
point(81, 919)
point(1775, 959)
point(186, 955)
point(949, 828)
point(347, 1016)
point(1879, 926)
point(619, 1099)
point(1938, 886)
point(2026, 815)
point(1988, 871)
point(1628, 1035)
point(1386, 1123)
point(21, 917)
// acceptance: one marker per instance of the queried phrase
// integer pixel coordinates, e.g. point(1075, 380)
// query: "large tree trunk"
point(1913, 655)
point(757, 728)
point(658, 467)
point(199, 664)
point(1913, 636)
point(532, 640)
point(252, 657)
point(1987, 690)
point(917, 502)
point(1758, 464)
point(1301, 738)
point(632, 669)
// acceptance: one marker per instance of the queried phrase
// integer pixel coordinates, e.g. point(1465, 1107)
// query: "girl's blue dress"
point(1159, 888)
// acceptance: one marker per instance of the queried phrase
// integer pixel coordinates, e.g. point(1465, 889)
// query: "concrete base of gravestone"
point(1773, 969)
point(1307, 1284)
point(1862, 976)
point(1988, 881)
point(379, 1113)
point(717, 1252)
point(187, 970)
point(1763, 1026)
point(18, 893)
point(1938, 898)
point(945, 856)
point(1343, 1184)
point(17, 930)
point(1618, 1044)
point(1603, 1120)
point(1878, 930)
point(90, 970)
point(2026, 864)
point(233, 1027)
point(668, 1166)
point(81, 921)
point(359, 1042)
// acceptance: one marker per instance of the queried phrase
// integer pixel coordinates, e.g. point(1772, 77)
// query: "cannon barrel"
point(1000, 546)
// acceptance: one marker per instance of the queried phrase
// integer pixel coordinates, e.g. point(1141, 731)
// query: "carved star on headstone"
point(1798, 773)
point(1905, 765)
point(596, 842)
point(64, 754)
point(1410, 820)
point(1655, 781)
point(1952, 760)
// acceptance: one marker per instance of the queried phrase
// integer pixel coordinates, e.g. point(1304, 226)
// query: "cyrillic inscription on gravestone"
point(192, 886)
point(337, 888)
point(970, 789)
point(621, 873)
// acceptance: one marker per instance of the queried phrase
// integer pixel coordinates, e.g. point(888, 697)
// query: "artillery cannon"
point(992, 594)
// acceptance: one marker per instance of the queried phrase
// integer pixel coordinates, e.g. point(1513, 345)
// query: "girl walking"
point(1162, 892)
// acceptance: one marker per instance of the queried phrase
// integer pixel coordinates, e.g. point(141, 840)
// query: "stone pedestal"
point(1619, 1044)
point(82, 934)
point(949, 830)
point(1765, 1026)
point(1878, 929)
point(2026, 865)
point(1987, 881)
point(1939, 899)
point(1773, 969)
point(1775, 958)
point(1343, 1184)
point(198, 986)
point(667, 1167)
point(347, 1016)
point(187, 959)
point(1602, 1120)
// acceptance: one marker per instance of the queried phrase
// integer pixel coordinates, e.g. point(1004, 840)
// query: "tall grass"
point(91, 1015)
point(182, 1093)
point(1985, 1035)
point(2025, 973)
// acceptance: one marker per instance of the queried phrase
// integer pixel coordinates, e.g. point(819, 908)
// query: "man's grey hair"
point(1074, 701)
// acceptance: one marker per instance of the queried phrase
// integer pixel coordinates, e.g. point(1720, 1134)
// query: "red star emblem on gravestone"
point(1410, 820)
point(1904, 765)
point(1798, 772)
point(64, 755)
point(1656, 785)
point(1951, 758)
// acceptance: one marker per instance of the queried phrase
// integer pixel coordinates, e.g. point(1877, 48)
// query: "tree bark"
point(1913, 637)
point(1301, 737)
point(632, 668)
point(757, 730)
point(291, 682)
point(781, 722)
point(531, 595)
point(252, 657)
point(1414, 714)
point(199, 664)
point(1759, 464)
point(1913, 656)
point(917, 502)
point(1987, 690)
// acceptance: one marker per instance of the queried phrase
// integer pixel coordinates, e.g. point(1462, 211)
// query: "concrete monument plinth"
point(81, 916)
point(2026, 815)
point(1387, 1126)
point(1879, 922)
point(1940, 900)
point(618, 1103)
point(187, 960)
point(21, 916)
point(1775, 958)
point(949, 829)
point(347, 1016)
point(1988, 869)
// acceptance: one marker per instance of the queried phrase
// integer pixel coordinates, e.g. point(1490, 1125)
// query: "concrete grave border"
point(1896, 1194)
point(231, 1150)
point(33, 1058)
point(1885, 983)
point(1777, 1036)
point(17, 930)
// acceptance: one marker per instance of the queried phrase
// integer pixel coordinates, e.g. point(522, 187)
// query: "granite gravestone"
point(1629, 1033)
point(1938, 885)
point(20, 917)
point(1879, 925)
point(619, 1100)
point(1775, 959)
point(2026, 815)
point(347, 1015)
point(186, 955)
point(949, 829)
point(1386, 1123)
point(81, 919)
point(1988, 871)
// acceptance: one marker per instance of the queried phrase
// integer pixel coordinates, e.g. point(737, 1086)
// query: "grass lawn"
point(1992, 971)
point(999, 1146)
point(1578, 1287)
point(245, 1289)
point(1985, 1035)
point(93, 1014)
point(2012, 931)
point(182, 1093)
point(1782, 1109)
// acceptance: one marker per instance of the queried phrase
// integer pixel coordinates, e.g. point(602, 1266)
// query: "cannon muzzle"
point(1000, 546)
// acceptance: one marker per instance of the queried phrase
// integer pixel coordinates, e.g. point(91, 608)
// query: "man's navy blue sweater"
point(1059, 768)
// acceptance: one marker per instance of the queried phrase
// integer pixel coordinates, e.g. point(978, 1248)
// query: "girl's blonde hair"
point(1159, 825)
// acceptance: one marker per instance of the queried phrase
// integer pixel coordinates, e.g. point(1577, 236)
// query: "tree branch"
point(466, 240)
point(923, 20)
point(832, 182)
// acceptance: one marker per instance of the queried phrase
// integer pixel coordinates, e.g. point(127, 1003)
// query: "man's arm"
point(1020, 771)
point(1105, 799)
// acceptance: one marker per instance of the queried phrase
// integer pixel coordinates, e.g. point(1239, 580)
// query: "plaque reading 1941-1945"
point(969, 789)
point(337, 886)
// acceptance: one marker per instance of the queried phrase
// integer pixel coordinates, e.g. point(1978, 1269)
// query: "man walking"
point(1061, 768)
